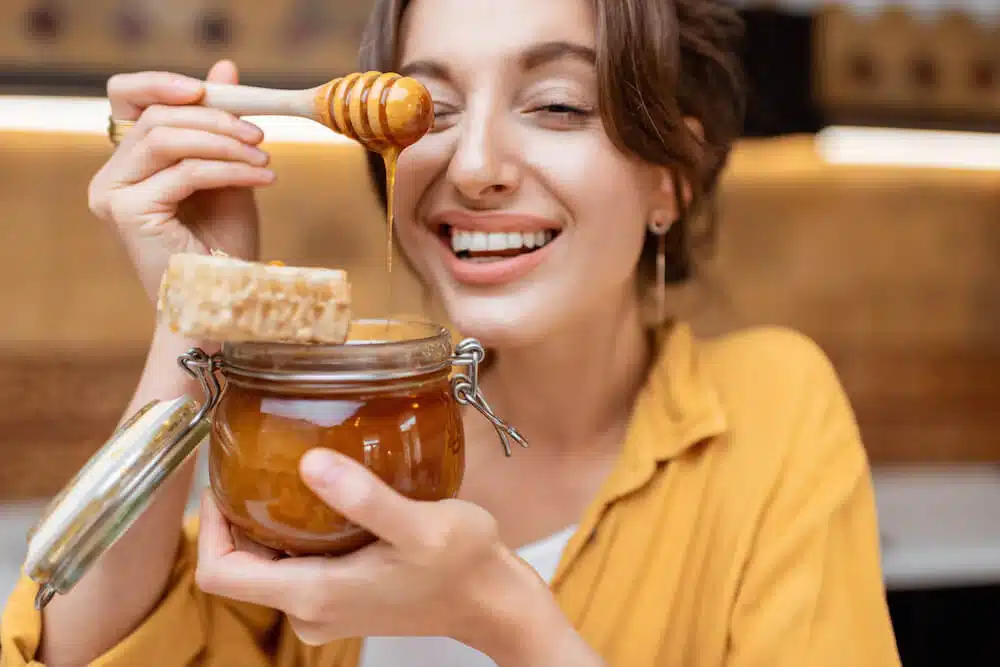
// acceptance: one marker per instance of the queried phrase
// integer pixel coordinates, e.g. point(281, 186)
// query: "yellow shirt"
point(738, 529)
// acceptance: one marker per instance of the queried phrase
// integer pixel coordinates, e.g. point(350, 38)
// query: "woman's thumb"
point(224, 71)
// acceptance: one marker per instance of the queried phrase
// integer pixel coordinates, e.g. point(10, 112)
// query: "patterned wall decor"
point(897, 64)
point(983, 10)
point(811, 61)
point(269, 38)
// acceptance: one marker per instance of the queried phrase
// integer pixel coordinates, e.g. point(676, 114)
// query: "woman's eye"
point(562, 115)
point(444, 116)
point(564, 109)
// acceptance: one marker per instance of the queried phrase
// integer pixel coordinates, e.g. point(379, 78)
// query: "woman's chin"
point(496, 325)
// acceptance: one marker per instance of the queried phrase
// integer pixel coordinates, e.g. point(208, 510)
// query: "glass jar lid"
point(375, 351)
point(106, 496)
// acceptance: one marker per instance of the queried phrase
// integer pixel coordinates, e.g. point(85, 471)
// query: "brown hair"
point(659, 62)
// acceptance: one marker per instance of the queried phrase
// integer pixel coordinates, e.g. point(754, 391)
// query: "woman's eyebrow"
point(546, 52)
point(532, 58)
point(427, 68)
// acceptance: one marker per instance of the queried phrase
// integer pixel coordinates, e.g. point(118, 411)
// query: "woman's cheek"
point(589, 177)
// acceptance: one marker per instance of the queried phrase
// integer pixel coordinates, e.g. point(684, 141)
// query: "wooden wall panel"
point(312, 39)
point(894, 272)
point(894, 64)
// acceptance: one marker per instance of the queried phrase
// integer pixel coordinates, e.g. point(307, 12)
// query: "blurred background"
point(862, 207)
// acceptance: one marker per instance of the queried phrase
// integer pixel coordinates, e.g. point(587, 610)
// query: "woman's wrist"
point(527, 626)
point(545, 640)
point(162, 377)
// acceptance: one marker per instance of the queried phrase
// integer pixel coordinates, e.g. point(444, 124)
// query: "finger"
point(224, 71)
point(243, 543)
point(129, 94)
point(351, 489)
point(206, 119)
point(214, 538)
point(165, 146)
point(177, 183)
point(226, 571)
point(310, 634)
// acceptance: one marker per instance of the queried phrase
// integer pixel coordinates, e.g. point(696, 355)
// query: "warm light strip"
point(909, 148)
point(86, 115)
point(836, 145)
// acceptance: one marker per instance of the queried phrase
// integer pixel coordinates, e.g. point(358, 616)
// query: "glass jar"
point(384, 399)
point(390, 398)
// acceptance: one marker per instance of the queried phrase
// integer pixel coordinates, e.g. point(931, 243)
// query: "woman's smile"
point(492, 249)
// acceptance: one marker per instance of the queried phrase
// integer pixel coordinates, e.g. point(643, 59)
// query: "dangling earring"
point(658, 226)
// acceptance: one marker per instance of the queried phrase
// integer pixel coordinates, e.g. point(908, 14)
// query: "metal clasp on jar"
point(205, 368)
point(465, 387)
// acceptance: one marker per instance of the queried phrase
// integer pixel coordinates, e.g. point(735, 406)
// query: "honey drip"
point(390, 156)
point(386, 113)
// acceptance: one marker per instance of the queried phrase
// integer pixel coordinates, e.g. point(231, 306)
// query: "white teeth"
point(479, 241)
point(462, 240)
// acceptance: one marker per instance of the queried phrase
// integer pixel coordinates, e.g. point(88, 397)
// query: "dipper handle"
point(379, 110)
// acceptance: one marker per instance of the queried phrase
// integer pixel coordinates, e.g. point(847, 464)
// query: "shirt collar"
point(677, 409)
point(679, 406)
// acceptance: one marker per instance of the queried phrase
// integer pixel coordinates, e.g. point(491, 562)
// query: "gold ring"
point(117, 129)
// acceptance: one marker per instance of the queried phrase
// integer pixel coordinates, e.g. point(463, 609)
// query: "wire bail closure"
point(465, 387)
point(205, 369)
point(469, 353)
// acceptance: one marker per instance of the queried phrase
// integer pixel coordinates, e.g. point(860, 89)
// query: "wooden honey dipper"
point(380, 110)
point(384, 112)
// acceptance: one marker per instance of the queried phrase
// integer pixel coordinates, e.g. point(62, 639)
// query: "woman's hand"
point(439, 569)
point(181, 179)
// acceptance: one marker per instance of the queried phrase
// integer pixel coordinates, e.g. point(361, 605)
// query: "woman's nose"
point(482, 169)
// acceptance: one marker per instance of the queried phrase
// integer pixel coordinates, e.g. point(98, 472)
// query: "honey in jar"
point(383, 399)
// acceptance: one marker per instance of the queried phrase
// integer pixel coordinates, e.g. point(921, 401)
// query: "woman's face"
point(516, 208)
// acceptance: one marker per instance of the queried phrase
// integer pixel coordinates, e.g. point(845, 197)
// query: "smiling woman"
point(683, 502)
point(614, 89)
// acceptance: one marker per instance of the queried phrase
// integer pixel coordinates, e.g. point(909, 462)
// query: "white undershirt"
point(543, 555)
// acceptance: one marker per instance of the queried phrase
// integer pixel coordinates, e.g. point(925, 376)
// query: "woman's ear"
point(673, 191)
point(695, 127)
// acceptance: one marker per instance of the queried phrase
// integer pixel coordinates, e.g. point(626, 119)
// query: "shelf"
point(940, 525)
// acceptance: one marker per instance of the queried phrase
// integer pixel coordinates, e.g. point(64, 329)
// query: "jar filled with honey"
point(384, 399)
point(390, 398)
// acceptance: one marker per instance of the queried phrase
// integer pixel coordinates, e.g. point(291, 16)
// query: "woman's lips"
point(493, 222)
point(491, 272)
point(495, 268)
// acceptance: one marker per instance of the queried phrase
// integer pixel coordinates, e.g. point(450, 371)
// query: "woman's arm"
point(812, 591)
point(140, 604)
point(125, 584)
point(180, 180)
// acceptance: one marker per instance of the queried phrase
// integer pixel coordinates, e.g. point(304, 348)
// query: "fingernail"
point(187, 86)
point(321, 466)
point(332, 475)
point(249, 131)
point(261, 158)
